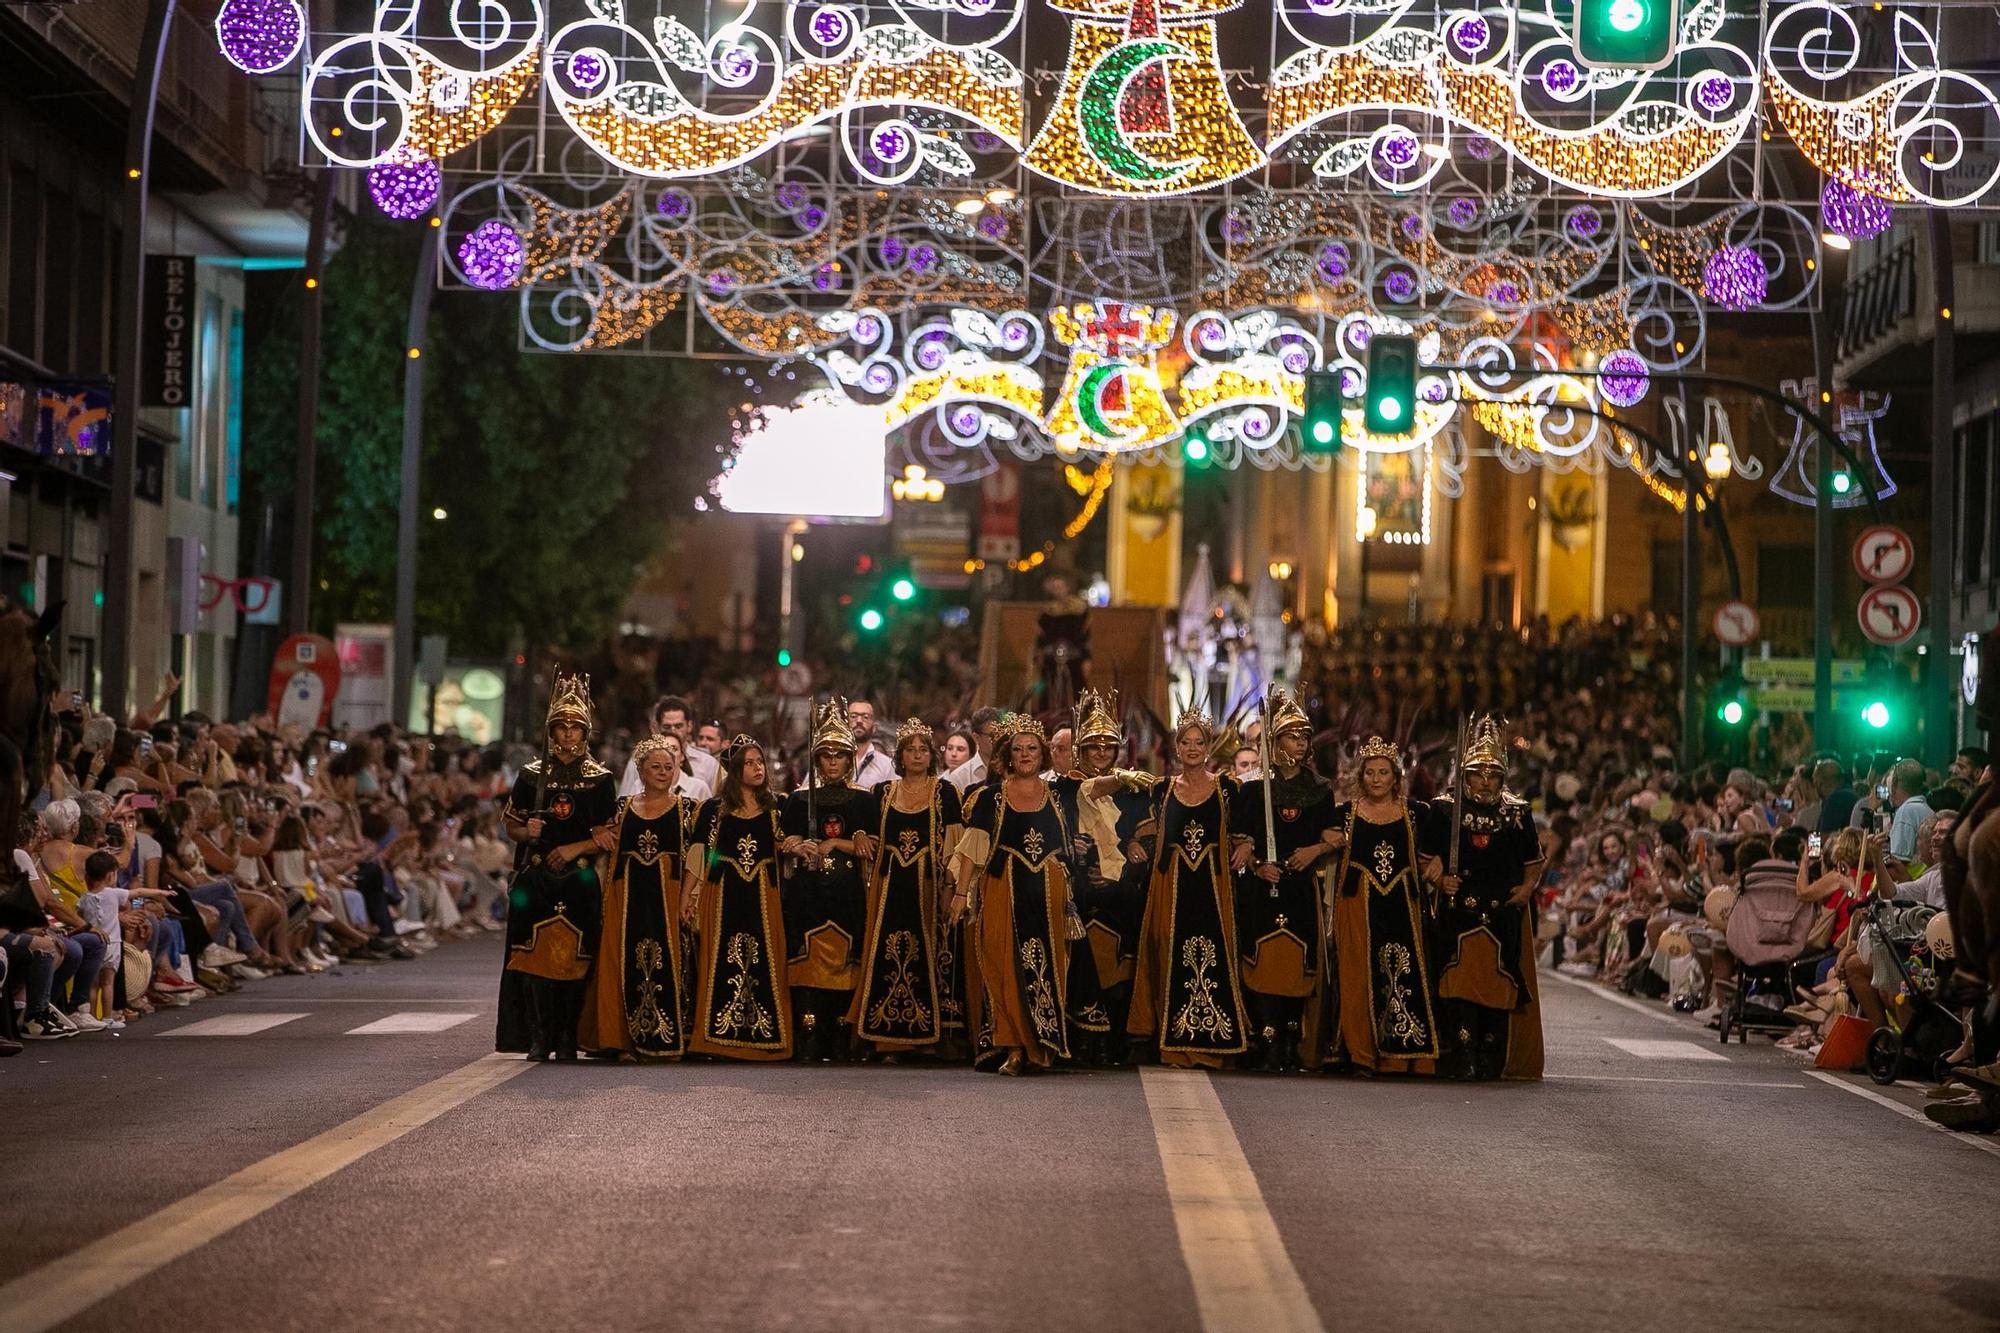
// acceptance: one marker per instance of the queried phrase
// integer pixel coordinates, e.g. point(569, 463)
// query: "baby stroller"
point(1929, 1032)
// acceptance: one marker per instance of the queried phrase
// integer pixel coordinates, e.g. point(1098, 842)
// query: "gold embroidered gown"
point(1382, 966)
point(1017, 964)
point(898, 1003)
point(742, 1006)
point(1187, 995)
point(552, 915)
point(635, 1000)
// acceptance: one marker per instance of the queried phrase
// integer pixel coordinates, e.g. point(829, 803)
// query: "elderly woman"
point(904, 991)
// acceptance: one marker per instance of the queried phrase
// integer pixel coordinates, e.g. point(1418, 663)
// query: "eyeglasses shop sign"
point(166, 376)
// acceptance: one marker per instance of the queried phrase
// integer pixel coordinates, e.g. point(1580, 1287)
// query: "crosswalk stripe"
point(1666, 1050)
point(396, 1024)
point(232, 1025)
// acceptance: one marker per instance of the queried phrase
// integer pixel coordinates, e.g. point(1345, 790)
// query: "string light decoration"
point(1623, 377)
point(1855, 214)
point(260, 36)
point(1112, 398)
point(1143, 108)
point(1095, 487)
point(1735, 278)
point(405, 190)
point(493, 256)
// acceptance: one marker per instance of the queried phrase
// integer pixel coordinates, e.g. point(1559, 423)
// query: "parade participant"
point(635, 998)
point(1187, 996)
point(1381, 966)
point(742, 1006)
point(1280, 911)
point(826, 823)
point(1490, 1015)
point(901, 1000)
point(1109, 887)
point(555, 814)
point(1012, 880)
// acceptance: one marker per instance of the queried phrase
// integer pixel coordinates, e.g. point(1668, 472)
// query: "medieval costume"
point(826, 896)
point(1280, 924)
point(1109, 887)
point(1187, 995)
point(553, 905)
point(1487, 1006)
point(1011, 875)
point(899, 1002)
point(742, 1006)
point(1380, 923)
point(636, 999)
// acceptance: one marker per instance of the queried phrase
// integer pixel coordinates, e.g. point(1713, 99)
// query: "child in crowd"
point(100, 904)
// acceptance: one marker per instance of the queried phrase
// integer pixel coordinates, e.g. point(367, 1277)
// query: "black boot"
point(806, 1029)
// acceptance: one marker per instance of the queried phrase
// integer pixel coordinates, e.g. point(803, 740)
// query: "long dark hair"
point(733, 786)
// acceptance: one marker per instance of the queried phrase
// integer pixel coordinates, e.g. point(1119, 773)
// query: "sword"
point(1264, 756)
point(1457, 798)
point(812, 772)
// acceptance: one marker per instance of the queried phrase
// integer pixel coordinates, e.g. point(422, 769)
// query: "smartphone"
point(1812, 847)
point(1882, 792)
point(145, 747)
point(139, 802)
point(1783, 803)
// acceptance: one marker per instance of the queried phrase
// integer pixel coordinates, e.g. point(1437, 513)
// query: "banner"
point(166, 364)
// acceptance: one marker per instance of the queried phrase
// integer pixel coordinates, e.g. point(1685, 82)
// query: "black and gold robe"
point(1485, 941)
point(1281, 928)
point(635, 1001)
point(552, 916)
point(898, 1002)
point(1386, 1020)
point(1017, 969)
point(1187, 995)
point(1110, 893)
point(742, 1006)
point(826, 907)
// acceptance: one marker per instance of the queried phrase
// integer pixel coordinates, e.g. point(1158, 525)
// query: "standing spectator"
point(1906, 799)
point(872, 768)
point(985, 726)
point(671, 718)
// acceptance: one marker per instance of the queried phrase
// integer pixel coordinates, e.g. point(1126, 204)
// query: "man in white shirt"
point(708, 736)
point(872, 768)
point(1928, 888)
point(670, 718)
point(973, 771)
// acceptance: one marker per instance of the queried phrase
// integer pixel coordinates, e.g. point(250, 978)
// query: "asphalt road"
point(307, 1176)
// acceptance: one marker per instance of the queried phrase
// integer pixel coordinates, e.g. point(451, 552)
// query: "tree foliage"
point(558, 474)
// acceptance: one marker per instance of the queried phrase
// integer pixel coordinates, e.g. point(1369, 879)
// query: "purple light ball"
point(1481, 147)
point(1584, 222)
point(1846, 211)
point(1462, 212)
point(812, 217)
point(867, 329)
point(492, 256)
point(965, 419)
point(405, 190)
point(1625, 377)
point(893, 250)
point(1413, 226)
point(1235, 230)
point(791, 196)
point(993, 226)
point(1398, 150)
point(720, 281)
point(1400, 285)
point(1212, 334)
point(1360, 336)
point(259, 36)
point(1333, 261)
point(923, 258)
point(739, 62)
point(674, 203)
point(1350, 383)
point(1714, 94)
point(1559, 77)
point(1470, 34)
point(586, 70)
point(1735, 277)
point(1504, 293)
point(890, 144)
point(829, 27)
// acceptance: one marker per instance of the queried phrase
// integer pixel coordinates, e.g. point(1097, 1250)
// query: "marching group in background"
point(1025, 915)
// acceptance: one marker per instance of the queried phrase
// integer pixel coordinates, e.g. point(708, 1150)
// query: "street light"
point(1717, 464)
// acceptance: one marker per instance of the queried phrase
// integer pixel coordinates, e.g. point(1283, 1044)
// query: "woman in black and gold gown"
point(742, 1007)
point(635, 1002)
point(1187, 997)
point(899, 1003)
point(1381, 916)
point(1012, 877)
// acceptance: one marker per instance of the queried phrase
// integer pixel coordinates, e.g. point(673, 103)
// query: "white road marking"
point(63, 1288)
point(1979, 1141)
point(1666, 1050)
point(1652, 1011)
point(232, 1025)
point(1641, 1078)
point(412, 1022)
point(1243, 1277)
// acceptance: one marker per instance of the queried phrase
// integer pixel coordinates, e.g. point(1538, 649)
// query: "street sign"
point(1796, 699)
point(1798, 671)
point(1884, 554)
point(1736, 623)
point(1889, 614)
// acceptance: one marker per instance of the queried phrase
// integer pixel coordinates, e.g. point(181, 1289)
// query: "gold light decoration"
point(627, 310)
point(1112, 398)
point(442, 122)
point(1002, 383)
point(1143, 109)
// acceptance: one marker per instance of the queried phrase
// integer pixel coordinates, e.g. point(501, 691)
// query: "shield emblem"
point(832, 826)
point(562, 807)
point(1288, 813)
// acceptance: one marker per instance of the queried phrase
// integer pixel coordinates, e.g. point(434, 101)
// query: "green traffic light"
point(1627, 15)
point(784, 657)
point(1843, 482)
point(1876, 714)
point(1389, 409)
point(1731, 712)
point(871, 620)
point(1626, 34)
point(903, 590)
point(1196, 449)
point(1322, 432)
point(1392, 384)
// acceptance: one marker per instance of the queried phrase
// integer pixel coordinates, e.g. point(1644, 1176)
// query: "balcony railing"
point(1879, 298)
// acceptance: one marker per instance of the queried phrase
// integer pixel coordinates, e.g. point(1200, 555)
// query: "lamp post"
point(1364, 530)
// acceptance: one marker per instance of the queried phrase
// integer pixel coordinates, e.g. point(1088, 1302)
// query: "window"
point(1974, 444)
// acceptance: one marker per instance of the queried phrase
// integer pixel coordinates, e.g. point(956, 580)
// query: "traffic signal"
point(1843, 482)
point(1391, 405)
point(1882, 692)
point(903, 589)
point(870, 620)
point(1732, 700)
point(1195, 449)
point(1626, 34)
point(1320, 427)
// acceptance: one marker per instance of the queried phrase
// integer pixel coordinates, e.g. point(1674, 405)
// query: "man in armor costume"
point(1108, 885)
point(558, 815)
point(1290, 818)
point(827, 824)
point(1489, 1015)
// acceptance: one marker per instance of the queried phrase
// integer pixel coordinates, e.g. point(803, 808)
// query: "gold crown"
point(648, 747)
point(1485, 747)
point(569, 701)
point(1021, 724)
point(1285, 713)
point(737, 745)
point(1096, 717)
point(1377, 748)
point(830, 729)
point(911, 729)
point(1194, 717)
